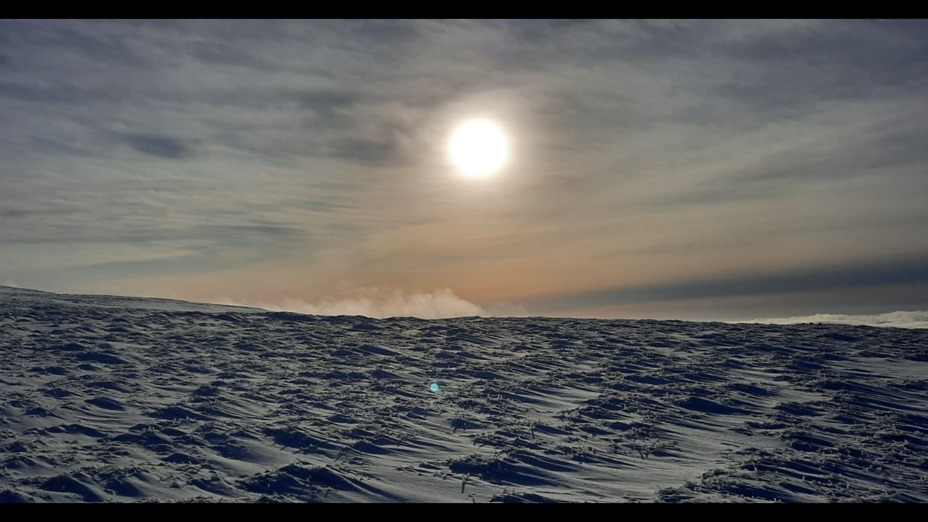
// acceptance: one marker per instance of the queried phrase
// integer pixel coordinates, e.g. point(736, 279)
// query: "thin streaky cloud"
point(653, 161)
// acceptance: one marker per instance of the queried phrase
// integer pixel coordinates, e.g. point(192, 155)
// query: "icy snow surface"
point(118, 399)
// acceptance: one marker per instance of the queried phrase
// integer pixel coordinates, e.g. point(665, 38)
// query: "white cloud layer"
point(646, 160)
point(900, 319)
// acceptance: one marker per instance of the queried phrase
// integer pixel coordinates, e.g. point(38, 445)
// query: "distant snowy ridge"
point(900, 319)
point(117, 301)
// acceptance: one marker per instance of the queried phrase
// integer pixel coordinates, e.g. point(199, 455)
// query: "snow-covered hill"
point(118, 399)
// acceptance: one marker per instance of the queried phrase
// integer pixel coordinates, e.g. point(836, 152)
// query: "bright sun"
point(478, 147)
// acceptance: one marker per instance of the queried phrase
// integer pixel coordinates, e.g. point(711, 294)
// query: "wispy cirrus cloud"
point(652, 160)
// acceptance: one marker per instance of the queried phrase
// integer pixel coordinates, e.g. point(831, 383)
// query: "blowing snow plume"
point(372, 302)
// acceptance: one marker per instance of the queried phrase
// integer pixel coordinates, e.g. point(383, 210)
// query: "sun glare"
point(478, 148)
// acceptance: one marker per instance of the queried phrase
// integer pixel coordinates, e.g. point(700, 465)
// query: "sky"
point(693, 169)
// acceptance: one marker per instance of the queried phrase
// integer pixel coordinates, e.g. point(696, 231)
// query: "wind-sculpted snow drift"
point(113, 399)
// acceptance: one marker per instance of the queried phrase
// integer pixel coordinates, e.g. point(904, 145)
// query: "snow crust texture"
point(117, 399)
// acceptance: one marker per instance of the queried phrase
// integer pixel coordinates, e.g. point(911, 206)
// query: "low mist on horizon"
point(735, 170)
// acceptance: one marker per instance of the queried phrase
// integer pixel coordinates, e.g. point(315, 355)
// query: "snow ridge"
point(110, 399)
